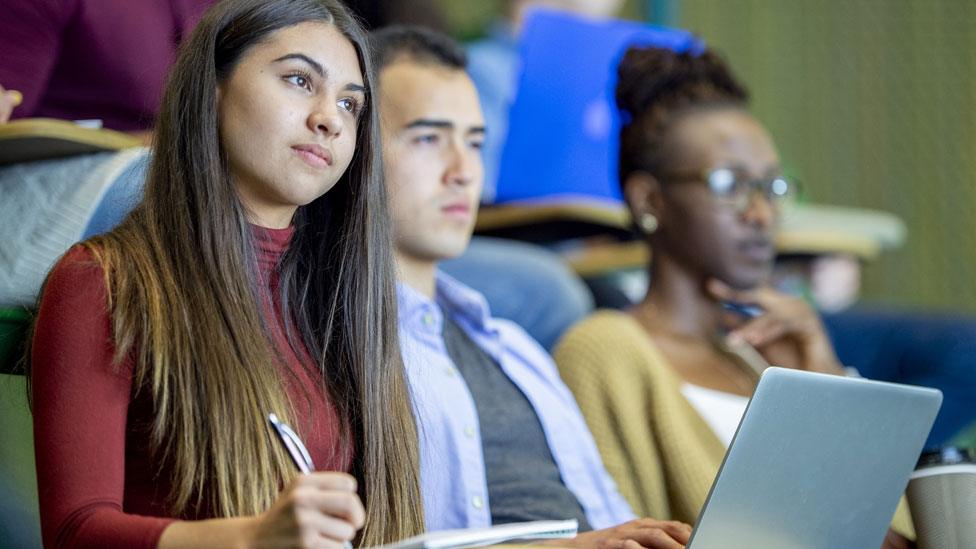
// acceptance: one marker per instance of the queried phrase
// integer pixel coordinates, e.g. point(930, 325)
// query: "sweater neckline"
point(270, 245)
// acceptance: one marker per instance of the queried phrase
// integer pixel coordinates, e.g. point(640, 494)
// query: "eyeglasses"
point(735, 191)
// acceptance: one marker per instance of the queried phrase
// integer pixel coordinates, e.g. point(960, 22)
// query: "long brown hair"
point(184, 298)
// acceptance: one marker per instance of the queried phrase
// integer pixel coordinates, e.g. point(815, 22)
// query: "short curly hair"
point(657, 85)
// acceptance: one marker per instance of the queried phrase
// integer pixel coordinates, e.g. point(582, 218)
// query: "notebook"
point(477, 537)
point(31, 139)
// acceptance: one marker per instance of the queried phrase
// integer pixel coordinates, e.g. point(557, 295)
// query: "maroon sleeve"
point(80, 404)
point(30, 39)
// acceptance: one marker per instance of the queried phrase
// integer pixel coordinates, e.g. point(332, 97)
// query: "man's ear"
point(642, 191)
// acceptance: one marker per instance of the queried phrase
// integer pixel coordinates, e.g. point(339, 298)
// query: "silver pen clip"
point(293, 445)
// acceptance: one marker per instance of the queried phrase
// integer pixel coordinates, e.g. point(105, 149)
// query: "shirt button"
point(469, 431)
point(477, 502)
point(428, 319)
point(450, 372)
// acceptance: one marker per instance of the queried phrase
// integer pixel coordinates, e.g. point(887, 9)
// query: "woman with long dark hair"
point(255, 277)
point(664, 385)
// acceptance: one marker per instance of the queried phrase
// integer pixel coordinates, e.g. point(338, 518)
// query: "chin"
point(452, 249)
point(306, 196)
point(452, 252)
point(744, 281)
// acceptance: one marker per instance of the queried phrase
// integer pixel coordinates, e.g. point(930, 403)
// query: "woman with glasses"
point(664, 384)
point(255, 278)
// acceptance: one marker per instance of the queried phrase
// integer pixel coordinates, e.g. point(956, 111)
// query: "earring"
point(647, 223)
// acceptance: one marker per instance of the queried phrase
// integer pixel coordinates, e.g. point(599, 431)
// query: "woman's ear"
point(642, 191)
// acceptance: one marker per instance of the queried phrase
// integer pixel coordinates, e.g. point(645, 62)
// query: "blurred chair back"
point(19, 518)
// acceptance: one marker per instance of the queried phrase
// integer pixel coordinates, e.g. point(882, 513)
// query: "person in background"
point(494, 62)
point(104, 60)
point(375, 14)
point(664, 384)
point(536, 289)
point(255, 277)
point(501, 437)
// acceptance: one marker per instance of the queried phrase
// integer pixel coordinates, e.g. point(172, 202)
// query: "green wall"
point(873, 104)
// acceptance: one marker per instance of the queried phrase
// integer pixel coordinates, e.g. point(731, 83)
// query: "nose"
point(325, 119)
point(760, 212)
point(462, 165)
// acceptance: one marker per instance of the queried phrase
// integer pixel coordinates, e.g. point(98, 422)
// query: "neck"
point(277, 219)
point(418, 274)
point(266, 215)
point(677, 301)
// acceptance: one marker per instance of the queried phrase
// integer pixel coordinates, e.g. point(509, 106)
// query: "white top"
point(721, 411)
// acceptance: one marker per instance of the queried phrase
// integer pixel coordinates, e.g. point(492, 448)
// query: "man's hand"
point(649, 533)
point(8, 100)
point(785, 319)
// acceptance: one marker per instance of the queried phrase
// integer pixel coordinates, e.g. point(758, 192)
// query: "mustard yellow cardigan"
point(656, 446)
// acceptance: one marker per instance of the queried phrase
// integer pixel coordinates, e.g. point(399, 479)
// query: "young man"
point(502, 439)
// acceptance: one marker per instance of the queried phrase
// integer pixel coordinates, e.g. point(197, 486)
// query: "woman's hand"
point(650, 533)
point(8, 100)
point(785, 320)
point(316, 510)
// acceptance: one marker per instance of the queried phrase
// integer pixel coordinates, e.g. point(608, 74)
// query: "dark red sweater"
point(97, 484)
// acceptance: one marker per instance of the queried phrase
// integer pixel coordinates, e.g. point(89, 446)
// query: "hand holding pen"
point(318, 509)
point(784, 329)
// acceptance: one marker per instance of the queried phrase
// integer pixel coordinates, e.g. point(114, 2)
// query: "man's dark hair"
point(416, 43)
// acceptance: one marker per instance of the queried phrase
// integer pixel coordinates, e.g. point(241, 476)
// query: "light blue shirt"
point(452, 475)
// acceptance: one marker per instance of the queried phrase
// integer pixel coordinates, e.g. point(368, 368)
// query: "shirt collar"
point(451, 297)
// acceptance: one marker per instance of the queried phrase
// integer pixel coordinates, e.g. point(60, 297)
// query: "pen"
point(296, 449)
point(293, 445)
point(748, 311)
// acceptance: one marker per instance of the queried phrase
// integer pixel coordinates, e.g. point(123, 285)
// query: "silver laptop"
point(818, 461)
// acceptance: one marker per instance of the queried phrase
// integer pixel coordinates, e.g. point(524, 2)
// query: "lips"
point(314, 155)
point(758, 249)
point(459, 209)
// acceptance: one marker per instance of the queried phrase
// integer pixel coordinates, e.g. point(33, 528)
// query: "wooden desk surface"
point(579, 218)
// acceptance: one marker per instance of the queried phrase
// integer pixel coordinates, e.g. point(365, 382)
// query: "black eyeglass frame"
point(723, 183)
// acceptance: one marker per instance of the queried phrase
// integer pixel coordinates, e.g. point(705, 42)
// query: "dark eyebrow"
point(441, 124)
point(428, 123)
point(743, 169)
point(317, 67)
